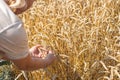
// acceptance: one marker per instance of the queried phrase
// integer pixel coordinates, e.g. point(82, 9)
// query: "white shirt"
point(13, 38)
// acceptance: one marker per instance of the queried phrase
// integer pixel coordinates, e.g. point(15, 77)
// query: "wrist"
point(51, 57)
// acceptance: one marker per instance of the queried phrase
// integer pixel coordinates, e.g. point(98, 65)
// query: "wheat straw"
point(84, 35)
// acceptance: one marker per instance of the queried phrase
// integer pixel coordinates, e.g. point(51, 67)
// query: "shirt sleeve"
point(13, 41)
point(13, 37)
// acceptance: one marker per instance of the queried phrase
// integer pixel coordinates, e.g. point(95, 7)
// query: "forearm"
point(31, 63)
point(38, 63)
point(33, 60)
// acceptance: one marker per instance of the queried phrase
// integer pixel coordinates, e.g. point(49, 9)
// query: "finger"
point(50, 52)
point(43, 49)
point(38, 46)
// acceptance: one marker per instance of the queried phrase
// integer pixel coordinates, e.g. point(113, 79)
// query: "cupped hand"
point(34, 51)
point(41, 52)
point(29, 4)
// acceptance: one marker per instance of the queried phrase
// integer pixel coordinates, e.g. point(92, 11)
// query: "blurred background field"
point(85, 35)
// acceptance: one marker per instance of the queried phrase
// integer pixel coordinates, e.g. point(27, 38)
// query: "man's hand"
point(39, 51)
point(35, 51)
point(29, 4)
point(20, 10)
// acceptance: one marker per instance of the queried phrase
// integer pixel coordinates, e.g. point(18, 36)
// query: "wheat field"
point(85, 35)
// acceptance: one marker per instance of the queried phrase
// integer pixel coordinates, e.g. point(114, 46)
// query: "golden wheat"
point(85, 35)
